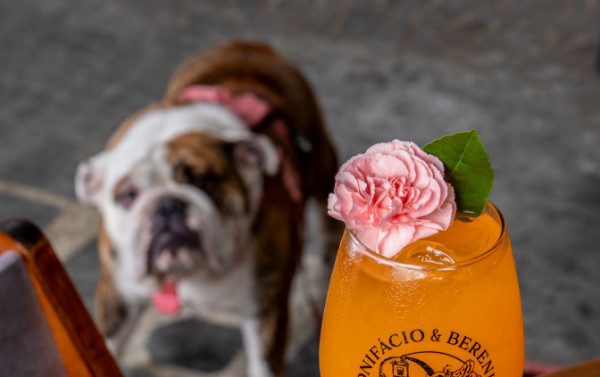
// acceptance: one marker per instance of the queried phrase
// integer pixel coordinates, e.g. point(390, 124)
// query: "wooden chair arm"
point(81, 346)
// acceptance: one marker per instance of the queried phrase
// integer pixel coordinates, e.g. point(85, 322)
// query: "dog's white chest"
point(232, 295)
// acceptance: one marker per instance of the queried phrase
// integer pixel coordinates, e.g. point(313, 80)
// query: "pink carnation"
point(392, 195)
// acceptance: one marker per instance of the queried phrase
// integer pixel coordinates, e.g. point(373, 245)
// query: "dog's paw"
point(259, 368)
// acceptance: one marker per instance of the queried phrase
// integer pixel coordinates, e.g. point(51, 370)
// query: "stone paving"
point(522, 73)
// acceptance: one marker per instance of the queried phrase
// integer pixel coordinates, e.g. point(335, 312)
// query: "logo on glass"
point(455, 355)
point(422, 364)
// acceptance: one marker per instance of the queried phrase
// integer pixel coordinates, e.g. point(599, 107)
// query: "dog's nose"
point(170, 214)
point(169, 205)
point(173, 245)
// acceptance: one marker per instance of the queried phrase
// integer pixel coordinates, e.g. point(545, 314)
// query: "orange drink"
point(445, 306)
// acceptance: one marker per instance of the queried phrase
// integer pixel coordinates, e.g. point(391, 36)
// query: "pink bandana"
point(247, 106)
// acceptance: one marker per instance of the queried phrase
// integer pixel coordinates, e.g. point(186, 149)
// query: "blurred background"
point(523, 73)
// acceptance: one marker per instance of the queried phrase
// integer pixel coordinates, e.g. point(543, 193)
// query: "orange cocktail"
point(446, 305)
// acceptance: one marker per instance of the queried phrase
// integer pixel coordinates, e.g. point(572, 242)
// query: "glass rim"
point(449, 267)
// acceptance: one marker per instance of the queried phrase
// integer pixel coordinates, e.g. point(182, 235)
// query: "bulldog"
point(202, 197)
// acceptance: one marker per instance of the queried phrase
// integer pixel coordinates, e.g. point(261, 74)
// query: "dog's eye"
point(182, 173)
point(204, 181)
point(126, 197)
point(207, 182)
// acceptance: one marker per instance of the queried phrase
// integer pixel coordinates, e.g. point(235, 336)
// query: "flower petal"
point(392, 195)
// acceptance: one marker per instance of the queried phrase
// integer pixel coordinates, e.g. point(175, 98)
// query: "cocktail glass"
point(445, 306)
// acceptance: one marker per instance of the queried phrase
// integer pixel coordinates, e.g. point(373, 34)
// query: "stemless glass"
point(446, 306)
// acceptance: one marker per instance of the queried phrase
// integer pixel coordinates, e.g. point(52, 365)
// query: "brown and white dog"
point(202, 197)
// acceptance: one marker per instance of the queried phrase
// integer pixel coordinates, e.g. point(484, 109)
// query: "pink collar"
point(251, 109)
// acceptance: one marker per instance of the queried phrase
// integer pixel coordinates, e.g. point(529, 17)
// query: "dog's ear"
point(89, 178)
point(258, 151)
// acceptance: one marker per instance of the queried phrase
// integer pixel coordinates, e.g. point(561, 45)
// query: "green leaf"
point(467, 169)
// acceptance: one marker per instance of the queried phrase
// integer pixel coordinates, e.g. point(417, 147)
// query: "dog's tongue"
point(166, 300)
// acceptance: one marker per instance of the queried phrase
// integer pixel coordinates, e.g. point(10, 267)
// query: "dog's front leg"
point(117, 341)
point(255, 348)
point(115, 318)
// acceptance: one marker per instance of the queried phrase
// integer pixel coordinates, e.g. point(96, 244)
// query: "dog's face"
point(178, 193)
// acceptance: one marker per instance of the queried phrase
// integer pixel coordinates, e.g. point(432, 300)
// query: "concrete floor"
point(522, 73)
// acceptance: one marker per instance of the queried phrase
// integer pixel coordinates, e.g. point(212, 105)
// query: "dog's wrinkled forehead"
point(148, 140)
point(200, 151)
point(159, 127)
